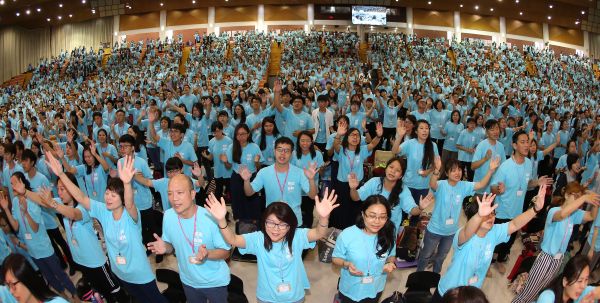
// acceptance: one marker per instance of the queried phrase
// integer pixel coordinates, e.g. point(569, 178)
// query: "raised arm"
point(375, 141)
point(100, 159)
point(11, 220)
point(323, 207)
point(72, 188)
point(126, 173)
point(219, 211)
point(400, 133)
point(151, 120)
point(524, 218)
point(277, 96)
point(484, 210)
point(494, 163)
point(436, 173)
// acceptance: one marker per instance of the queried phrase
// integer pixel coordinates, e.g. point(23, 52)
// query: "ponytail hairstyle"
point(385, 236)
point(570, 275)
point(428, 153)
point(394, 198)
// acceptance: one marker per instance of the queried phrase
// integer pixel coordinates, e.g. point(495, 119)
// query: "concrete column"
point(211, 20)
point(586, 43)
point(502, 38)
point(457, 30)
point(409, 20)
point(163, 24)
point(546, 33)
point(310, 15)
point(260, 24)
point(362, 35)
point(116, 36)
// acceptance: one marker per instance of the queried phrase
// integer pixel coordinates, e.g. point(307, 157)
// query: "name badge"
point(449, 221)
point(367, 280)
point(284, 287)
point(74, 242)
point(519, 193)
point(121, 260)
point(28, 236)
point(558, 256)
point(473, 280)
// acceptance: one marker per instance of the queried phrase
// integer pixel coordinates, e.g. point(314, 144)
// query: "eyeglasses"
point(12, 285)
point(374, 217)
point(125, 146)
point(279, 226)
point(241, 134)
point(283, 150)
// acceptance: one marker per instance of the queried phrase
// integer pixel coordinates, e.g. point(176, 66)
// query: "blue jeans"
point(54, 274)
point(432, 241)
point(205, 295)
point(145, 293)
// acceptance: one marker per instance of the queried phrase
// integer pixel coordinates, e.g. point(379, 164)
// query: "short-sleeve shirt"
point(515, 178)
point(141, 194)
point(414, 152)
point(448, 204)
point(185, 149)
point(38, 243)
point(480, 151)
point(557, 233)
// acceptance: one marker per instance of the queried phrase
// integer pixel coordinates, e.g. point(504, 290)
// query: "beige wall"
point(236, 14)
point(286, 12)
point(480, 23)
point(185, 17)
point(140, 21)
point(434, 18)
point(524, 28)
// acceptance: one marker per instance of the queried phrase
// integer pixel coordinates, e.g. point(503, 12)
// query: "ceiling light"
point(48, 19)
point(18, 14)
point(476, 7)
point(28, 12)
point(491, 9)
point(93, 11)
point(70, 15)
point(549, 17)
point(516, 1)
point(429, 2)
point(521, 13)
point(161, 4)
point(194, 2)
point(1, 2)
point(38, 9)
point(550, 6)
point(60, 5)
point(461, 5)
point(583, 12)
point(59, 17)
point(83, 1)
point(576, 22)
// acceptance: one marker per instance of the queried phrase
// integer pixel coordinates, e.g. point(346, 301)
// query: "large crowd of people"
point(104, 167)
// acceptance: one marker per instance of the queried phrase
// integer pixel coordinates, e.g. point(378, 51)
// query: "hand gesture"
point(126, 169)
point(196, 170)
point(352, 181)
point(216, 208)
point(205, 154)
point(545, 180)
point(485, 204)
point(488, 154)
point(325, 205)
point(245, 173)
point(495, 163)
point(591, 197)
point(539, 202)
point(400, 128)
point(70, 136)
point(389, 267)
point(501, 188)
point(277, 87)
point(353, 270)
point(437, 163)
point(19, 187)
point(379, 129)
point(59, 152)
point(223, 158)
point(4, 202)
point(425, 202)
point(93, 148)
point(53, 164)
point(342, 128)
point(178, 155)
point(152, 116)
point(158, 247)
point(311, 170)
point(202, 253)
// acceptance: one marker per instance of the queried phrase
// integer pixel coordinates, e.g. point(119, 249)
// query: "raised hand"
point(591, 198)
point(277, 87)
point(545, 180)
point(541, 196)
point(485, 204)
point(501, 187)
point(425, 202)
point(488, 154)
point(4, 202)
point(196, 170)
point(93, 148)
point(352, 181)
point(126, 169)
point(311, 171)
point(19, 187)
point(152, 116)
point(245, 173)
point(494, 163)
point(59, 152)
point(325, 205)
point(158, 247)
point(342, 128)
point(53, 164)
point(216, 208)
point(437, 162)
point(379, 129)
point(400, 128)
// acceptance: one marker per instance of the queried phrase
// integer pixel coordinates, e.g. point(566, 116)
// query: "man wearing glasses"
point(283, 182)
point(174, 146)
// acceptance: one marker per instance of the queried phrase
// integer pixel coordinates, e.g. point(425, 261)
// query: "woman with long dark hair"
point(92, 174)
point(25, 284)
point(451, 131)
point(266, 140)
point(305, 155)
point(572, 284)
point(420, 153)
point(278, 246)
point(366, 252)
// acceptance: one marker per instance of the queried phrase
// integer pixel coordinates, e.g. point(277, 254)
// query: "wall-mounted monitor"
point(370, 15)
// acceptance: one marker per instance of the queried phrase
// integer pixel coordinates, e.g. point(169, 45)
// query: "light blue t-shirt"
point(515, 178)
point(185, 149)
point(111, 150)
point(179, 232)
point(295, 122)
point(466, 139)
point(37, 182)
point(448, 203)
point(438, 121)
point(591, 234)
point(453, 131)
point(216, 148)
point(306, 160)
point(6, 174)
point(6, 296)
point(283, 187)
point(480, 151)
point(591, 162)
point(38, 243)
point(355, 246)
point(247, 158)
point(279, 266)
point(141, 194)
point(557, 233)
point(406, 202)
point(82, 240)
point(414, 152)
point(124, 240)
point(94, 183)
point(548, 296)
point(472, 259)
point(349, 161)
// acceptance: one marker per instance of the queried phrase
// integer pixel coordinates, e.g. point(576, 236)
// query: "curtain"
point(594, 45)
point(20, 47)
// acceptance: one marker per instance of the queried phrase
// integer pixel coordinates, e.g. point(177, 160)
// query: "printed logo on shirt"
point(291, 185)
point(198, 238)
point(122, 236)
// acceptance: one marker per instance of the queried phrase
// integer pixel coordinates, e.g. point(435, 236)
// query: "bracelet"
point(536, 211)
point(226, 225)
point(436, 173)
point(326, 225)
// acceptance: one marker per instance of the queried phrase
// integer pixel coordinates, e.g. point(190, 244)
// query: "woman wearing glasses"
point(24, 284)
point(278, 246)
point(366, 253)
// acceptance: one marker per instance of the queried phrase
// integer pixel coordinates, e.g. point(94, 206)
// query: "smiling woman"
point(24, 284)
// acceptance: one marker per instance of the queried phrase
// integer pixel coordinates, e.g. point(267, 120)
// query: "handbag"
point(396, 297)
point(327, 244)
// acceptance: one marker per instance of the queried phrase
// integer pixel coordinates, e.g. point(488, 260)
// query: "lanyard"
point(281, 187)
point(190, 242)
point(371, 253)
point(118, 228)
point(350, 160)
point(23, 217)
point(92, 174)
point(566, 232)
point(71, 222)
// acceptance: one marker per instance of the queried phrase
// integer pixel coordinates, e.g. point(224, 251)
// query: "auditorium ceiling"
point(581, 14)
